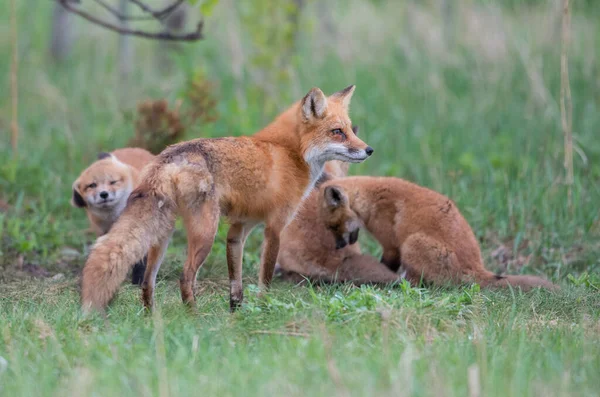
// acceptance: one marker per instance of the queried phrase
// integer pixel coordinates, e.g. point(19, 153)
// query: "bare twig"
point(14, 69)
point(167, 36)
point(160, 15)
point(165, 12)
point(120, 16)
point(566, 107)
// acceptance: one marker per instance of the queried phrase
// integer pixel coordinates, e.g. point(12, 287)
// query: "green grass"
point(303, 341)
point(475, 117)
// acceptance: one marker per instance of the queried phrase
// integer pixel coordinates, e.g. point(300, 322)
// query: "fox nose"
point(369, 150)
point(103, 195)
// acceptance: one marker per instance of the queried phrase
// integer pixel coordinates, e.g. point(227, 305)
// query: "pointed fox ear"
point(314, 105)
point(355, 129)
point(345, 95)
point(334, 197)
point(76, 199)
point(103, 155)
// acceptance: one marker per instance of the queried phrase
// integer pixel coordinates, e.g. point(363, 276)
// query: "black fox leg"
point(137, 274)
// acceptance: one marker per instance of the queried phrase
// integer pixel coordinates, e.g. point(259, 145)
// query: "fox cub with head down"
point(253, 179)
point(102, 190)
point(308, 248)
point(419, 230)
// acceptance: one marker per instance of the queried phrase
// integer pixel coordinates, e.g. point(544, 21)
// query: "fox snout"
point(358, 155)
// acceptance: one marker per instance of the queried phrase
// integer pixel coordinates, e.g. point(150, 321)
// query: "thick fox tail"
point(524, 282)
point(146, 221)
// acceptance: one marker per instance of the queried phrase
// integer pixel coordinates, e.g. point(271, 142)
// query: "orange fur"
point(308, 249)
point(261, 178)
point(419, 229)
point(115, 175)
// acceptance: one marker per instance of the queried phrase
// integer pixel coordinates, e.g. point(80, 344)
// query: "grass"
point(303, 341)
point(475, 117)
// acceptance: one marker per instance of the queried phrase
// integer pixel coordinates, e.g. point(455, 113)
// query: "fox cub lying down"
point(421, 231)
point(103, 188)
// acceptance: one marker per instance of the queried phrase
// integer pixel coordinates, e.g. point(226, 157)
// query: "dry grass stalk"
point(14, 69)
point(332, 368)
point(161, 355)
point(566, 107)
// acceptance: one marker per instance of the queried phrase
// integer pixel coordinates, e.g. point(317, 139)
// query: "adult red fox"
point(260, 178)
point(418, 229)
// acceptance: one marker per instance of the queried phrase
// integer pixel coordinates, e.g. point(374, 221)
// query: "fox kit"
point(418, 229)
point(260, 178)
point(102, 190)
point(308, 249)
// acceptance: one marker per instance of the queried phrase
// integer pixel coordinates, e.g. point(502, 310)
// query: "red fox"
point(260, 178)
point(418, 229)
point(308, 249)
point(102, 190)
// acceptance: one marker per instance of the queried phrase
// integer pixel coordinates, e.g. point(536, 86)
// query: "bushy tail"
point(147, 220)
point(524, 282)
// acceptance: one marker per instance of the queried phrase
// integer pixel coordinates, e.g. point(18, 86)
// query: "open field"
point(462, 100)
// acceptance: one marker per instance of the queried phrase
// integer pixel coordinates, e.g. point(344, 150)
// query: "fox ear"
point(77, 200)
point(334, 196)
point(345, 95)
point(314, 105)
point(353, 237)
point(355, 129)
point(104, 155)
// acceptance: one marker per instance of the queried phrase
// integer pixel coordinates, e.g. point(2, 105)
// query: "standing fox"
point(261, 178)
point(308, 248)
point(419, 229)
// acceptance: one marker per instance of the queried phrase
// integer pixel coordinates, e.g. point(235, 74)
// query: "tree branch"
point(165, 12)
point(123, 17)
point(167, 36)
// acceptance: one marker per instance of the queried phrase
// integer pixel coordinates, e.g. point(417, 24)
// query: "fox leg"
point(137, 274)
point(365, 269)
point(268, 258)
point(236, 239)
point(391, 259)
point(155, 257)
point(429, 260)
point(201, 227)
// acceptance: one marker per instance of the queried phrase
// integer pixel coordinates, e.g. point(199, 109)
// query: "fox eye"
point(339, 132)
point(92, 185)
point(113, 182)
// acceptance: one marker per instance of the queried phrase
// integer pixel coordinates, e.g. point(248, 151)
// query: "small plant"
point(156, 126)
point(586, 280)
point(199, 104)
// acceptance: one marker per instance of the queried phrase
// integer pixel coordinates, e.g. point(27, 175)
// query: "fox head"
point(103, 185)
point(326, 130)
point(337, 215)
point(337, 168)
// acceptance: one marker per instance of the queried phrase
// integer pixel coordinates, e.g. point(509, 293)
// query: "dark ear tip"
point(103, 155)
point(77, 200)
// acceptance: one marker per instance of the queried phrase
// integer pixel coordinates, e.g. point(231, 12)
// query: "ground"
point(473, 114)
